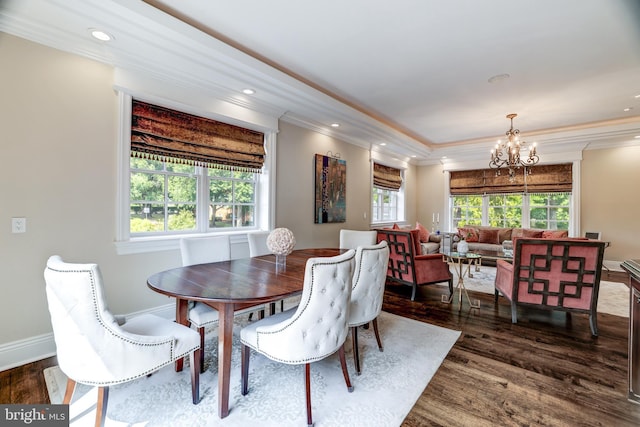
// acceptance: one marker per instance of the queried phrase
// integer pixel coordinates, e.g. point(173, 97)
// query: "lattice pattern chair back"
point(402, 251)
point(407, 266)
point(562, 274)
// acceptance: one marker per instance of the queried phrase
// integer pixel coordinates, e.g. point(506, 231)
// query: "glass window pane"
point(244, 192)
point(219, 173)
point(182, 217)
point(145, 164)
point(244, 216)
point(182, 188)
point(180, 168)
point(221, 216)
point(146, 218)
point(221, 191)
point(146, 187)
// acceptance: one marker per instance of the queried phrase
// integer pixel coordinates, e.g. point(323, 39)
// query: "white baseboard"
point(40, 347)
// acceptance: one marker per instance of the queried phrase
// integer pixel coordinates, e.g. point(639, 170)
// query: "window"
point(232, 197)
point(545, 211)
point(385, 205)
point(538, 197)
point(170, 185)
point(549, 211)
point(387, 194)
point(163, 197)
point(466, 210)
point(505, 210)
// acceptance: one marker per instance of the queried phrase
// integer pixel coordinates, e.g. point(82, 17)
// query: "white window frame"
point(400, 203)
point(127, 244)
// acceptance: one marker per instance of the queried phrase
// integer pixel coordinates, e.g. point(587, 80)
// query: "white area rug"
point(383, 395)
point(613, 297)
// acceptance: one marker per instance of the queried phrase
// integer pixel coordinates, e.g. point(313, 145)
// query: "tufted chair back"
point(369, 276)
point(95, 348)
point(351, 239)
point(85, 331)
point(318, 327)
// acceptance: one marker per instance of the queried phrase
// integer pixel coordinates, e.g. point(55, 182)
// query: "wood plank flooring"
point(546, 370)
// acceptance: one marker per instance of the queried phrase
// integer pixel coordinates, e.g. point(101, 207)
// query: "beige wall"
point(609, 199)
point(430, 196)
point(295, 177)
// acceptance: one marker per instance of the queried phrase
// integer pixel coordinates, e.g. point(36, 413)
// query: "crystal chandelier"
point(507, 154)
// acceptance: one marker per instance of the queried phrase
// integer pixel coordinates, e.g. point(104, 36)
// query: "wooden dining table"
point(233, 285)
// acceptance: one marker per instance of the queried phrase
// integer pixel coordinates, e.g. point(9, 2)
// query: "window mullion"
point(202, 199)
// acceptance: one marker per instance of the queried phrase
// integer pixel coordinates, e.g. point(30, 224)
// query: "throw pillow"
point(470, 234)
point(555, 234)
point(424, 233)
point(528, 232)
point(395, 226)
point(504, 234)
point(489, 236)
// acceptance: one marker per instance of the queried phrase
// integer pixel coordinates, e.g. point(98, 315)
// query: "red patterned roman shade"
point(163, 134)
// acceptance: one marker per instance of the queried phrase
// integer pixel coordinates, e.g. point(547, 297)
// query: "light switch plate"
point(18, 225)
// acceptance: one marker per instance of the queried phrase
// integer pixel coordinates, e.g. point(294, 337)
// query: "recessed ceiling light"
point(383, 143)
point(498, 78)
point(248, 91)
point(637, 136)
point(637, 96)
point(628, 109)
point(103, 36)
point(414, 156)
point(335, 125)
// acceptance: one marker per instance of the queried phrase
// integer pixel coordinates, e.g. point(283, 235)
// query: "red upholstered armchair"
point(554, 274)
point(408, 267)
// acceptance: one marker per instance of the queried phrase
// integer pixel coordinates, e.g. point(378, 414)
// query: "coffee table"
point(458, 261)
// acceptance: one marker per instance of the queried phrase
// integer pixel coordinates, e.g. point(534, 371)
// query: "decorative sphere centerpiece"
point(281, 242)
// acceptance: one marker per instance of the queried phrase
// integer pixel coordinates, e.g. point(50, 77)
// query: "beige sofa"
point(480, 237)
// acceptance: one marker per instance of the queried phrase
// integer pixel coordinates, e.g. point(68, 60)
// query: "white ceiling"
point(413, 74)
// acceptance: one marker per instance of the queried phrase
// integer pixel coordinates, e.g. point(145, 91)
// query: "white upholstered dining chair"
point(202, 250)
point(369, 276)
point(312, 331)
point(258, 243)
point(351, 239)
point(94, 347)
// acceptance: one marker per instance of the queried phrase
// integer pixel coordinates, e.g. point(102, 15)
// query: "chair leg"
point(356, 353)
point(68, 394)
point(195, 375)
point(281, 305)
point(244, 369)
point(345, 373)
point(450, 287)
point(514, 312)
point(375, 329)
point(413, 292)
point(202, 333)
point(307, 386)
point(101, 407)
point(593, 322)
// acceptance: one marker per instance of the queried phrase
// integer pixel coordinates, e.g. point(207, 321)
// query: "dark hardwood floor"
point(544, 370)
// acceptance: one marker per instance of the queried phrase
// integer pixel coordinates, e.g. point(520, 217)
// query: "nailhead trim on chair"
point(107, 328)
point(305, 306)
